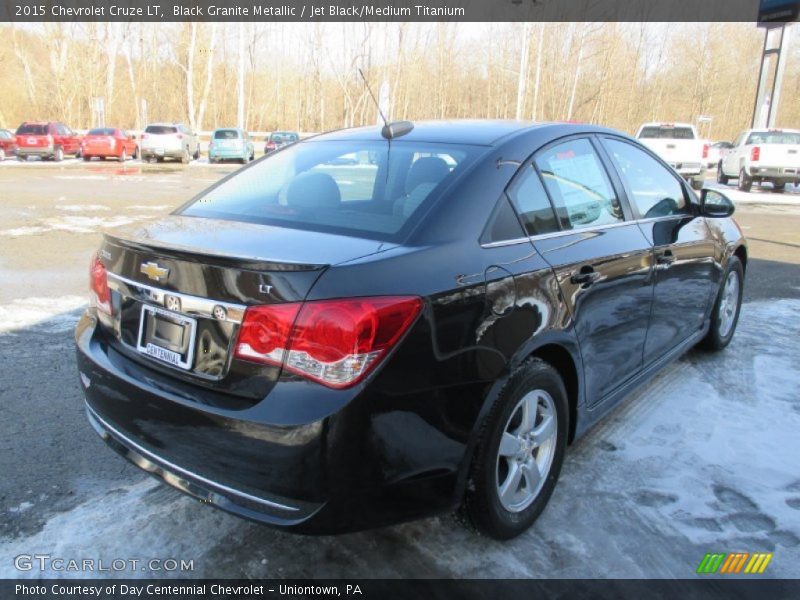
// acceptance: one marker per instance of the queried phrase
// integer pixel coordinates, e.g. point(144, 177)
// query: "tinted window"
point(531, 201)
point(161, 129)
point(4, 134)
point(578, 185)
point(666, 132)
point(656, 191)
point(503, 225)
point(102, 131)
point(28, 129)
point(226, 134)
point(283, 137)
point(344, 186)
point(773, 137)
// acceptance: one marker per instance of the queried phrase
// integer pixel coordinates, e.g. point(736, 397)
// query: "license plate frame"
point(146, 342)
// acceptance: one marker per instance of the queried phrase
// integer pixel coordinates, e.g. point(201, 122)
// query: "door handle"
point(587, 276)
point(665, 260)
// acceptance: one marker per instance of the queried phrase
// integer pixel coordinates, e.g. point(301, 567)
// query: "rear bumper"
point(228, 153)
point(161, 152)
point(353, 466)
point(688, 169)
point(791, 174)
point(35, 151)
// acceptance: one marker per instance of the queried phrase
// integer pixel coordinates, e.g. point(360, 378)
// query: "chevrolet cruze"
point(327, 345)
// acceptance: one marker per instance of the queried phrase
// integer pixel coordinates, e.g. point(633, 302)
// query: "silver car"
point(169, 140)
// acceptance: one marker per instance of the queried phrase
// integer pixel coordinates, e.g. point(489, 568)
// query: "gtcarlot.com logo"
point(47, 562)
point(734, 563)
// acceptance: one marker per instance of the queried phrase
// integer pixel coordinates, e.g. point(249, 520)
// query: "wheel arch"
point(558, 357)
point(741, 253)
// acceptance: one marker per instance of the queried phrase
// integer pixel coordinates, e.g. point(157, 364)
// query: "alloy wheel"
point(526, 451)
point(728, 304)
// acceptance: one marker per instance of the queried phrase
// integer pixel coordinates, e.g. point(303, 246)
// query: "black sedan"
point(329, 345)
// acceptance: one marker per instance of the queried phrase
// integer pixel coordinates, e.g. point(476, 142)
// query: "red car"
point(8, 144)
point(48, 140)
point(107, 142)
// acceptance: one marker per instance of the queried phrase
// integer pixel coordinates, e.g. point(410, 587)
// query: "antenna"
point(377, 104)
point(389, 130)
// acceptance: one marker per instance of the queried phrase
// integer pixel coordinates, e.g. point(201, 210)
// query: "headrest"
point(429, 169)
point(313, 190)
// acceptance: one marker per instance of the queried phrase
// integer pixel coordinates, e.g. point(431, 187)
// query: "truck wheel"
point(721, 177)
point(745, 182)
point(779, 188)
point(697, 184)
point(58, 155)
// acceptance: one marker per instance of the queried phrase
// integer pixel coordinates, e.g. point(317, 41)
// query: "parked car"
point(231, 144)
point(169, 140)
point(48, 140)
point(8, 144)
point(278, 139)
point(436, 342)
point(762, 155)
point(109, 142)
point(715, 153)
point(679, 145)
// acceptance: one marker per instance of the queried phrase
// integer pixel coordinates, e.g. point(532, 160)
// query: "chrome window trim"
point(565, 232)
point(190, 305)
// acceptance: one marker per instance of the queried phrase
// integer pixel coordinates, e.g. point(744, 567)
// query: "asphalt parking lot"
point(703, 459)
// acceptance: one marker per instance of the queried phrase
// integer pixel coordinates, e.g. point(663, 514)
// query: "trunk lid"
point(779, 155)
point(183, 284)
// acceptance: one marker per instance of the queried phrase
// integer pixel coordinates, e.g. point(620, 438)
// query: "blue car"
point(230, 143)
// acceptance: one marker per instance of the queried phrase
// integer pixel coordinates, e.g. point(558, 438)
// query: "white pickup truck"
point(679, 146)
point(760, 155)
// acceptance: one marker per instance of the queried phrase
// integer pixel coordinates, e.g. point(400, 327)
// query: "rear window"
point(30, 129)
point(226, 134)
point(102, 131)
point(774, 137)
point(161, 129)
point(283, 137)
point(667, 133)
point(353, 187)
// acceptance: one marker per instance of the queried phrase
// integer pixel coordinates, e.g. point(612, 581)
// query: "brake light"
point(180, 136)
point(98, 282)
point(755, 153)
point(144, 136)
point(333, 342)
point(705, 150)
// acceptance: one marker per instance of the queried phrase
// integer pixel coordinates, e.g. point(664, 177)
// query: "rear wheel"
point(196, 154)
point(135, 152)
point(779, 188)
point(87, 158)
point(58, 155)
point(721, 177)
point(123, 156)
point(745, 181)
point(697, 184)
point(520, 452)
point(22, 158)
point(725, 315)
point(185, 158)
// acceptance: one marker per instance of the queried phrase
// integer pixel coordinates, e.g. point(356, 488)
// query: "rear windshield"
point(360, 188)
point(774, 137)
point(226, 134)
point(102, 131)
point(667, 133)
point(28, 129)
point(283, 137)
point(160, 129)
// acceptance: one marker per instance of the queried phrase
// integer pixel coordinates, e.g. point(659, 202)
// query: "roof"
point(475, 132)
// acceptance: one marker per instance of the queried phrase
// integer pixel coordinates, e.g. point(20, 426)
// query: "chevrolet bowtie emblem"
point(154, 271)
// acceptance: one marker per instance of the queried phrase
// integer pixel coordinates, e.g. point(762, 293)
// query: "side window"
point(579, 186)
point(503, 225)
point(739, 140)
point(529, 198)
point(655, 190)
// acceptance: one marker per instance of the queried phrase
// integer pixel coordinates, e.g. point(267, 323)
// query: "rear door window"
point(666, 132)
point(161, 129)
point(226, 134)
point(528, 196)
point(579, 185)
point(31, 129)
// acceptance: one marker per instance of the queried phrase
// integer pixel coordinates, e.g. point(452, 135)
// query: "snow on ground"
point(759, 195)
point(83, 207)
point(55, 314)
point(703, 459)
point(73, 224)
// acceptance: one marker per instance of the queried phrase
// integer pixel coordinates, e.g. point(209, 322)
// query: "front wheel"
point(725, 315)
point(721, 177)
point(520, 452)
point(745, 181)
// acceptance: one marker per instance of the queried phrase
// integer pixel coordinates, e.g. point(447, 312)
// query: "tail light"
point(144, 136)
point(755, 153)
point(112, 142)
point(180, 136)
point(333, 342)
point(705, 150)
point(98, 283)
point(49, 140)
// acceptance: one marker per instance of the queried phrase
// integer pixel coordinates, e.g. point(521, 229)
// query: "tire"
point(725, 316)
point(22, 158)
point(135, 152)
point(123, 156)
point(186, 158)
point(512, 464)
point(86, 158)
point(778, 188)
point(58, 155)
point(211, 161)
point(196, 154)
point(697, 184)
point(245, 160)
point(78, 153)
point(745, 183)
point(721, 177)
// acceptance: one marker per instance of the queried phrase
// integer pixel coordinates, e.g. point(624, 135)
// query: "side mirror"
point(715, 204)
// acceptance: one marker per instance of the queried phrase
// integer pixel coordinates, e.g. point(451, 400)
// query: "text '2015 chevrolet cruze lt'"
point(379, 324)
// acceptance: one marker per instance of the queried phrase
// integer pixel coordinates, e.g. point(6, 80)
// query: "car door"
point(601, 259)
point(730, 161)
point(683, 246)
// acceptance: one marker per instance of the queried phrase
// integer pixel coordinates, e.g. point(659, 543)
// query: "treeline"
point(305, 76)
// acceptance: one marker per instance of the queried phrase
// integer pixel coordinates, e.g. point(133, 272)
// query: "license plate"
point(32, 141)
point(167, 336)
